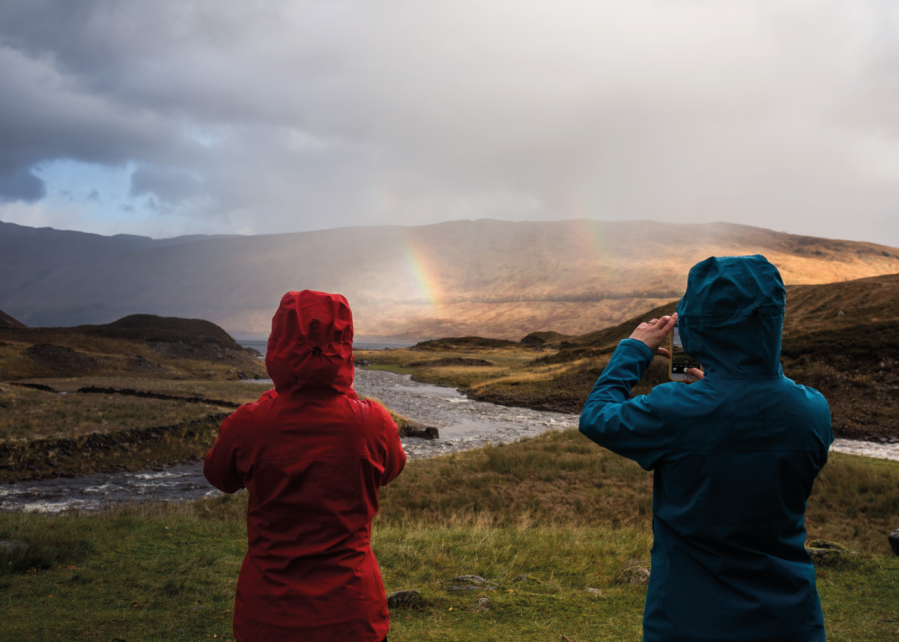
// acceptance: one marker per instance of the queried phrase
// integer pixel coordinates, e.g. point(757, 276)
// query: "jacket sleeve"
point(221, 465)
point(395, 456)
point(632, 428)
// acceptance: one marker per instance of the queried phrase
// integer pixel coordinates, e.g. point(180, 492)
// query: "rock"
point(404, 600)
point(894, 541)
point(470, 583)
point(824, 551)
point(595, 591)
point(414, 429)
point(633, 574)
point(12, 546)
point(841, 314)
point(482, 605)
point(525, 578)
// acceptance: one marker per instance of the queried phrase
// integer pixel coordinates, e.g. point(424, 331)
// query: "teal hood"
point(731, 318)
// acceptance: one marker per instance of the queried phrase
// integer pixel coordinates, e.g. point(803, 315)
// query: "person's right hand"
point(654, 333)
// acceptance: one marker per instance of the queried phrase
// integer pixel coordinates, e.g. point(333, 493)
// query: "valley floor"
point(555, 508)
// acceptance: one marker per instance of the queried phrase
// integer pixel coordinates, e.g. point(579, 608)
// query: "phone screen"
point(680, 360)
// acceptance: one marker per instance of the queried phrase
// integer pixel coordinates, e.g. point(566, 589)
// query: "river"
point(463, 424)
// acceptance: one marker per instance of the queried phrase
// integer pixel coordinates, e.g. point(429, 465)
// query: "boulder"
point(894, 541)
point(525, 578)
point(483, 604)
point(824, 551)
point(415, 429)
point(404, 600)
point(633, 572)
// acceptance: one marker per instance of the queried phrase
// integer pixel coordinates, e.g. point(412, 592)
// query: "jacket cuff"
point(639, 346)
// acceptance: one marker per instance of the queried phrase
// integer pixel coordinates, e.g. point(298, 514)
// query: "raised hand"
point(653, 334)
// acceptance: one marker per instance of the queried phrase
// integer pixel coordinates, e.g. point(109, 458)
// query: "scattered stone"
point(824, 551)
point(894, 541)
point(140, 362)
point(595, 591)
point(404, 600)
point(841, 314)
point(197, 608)
point(60, 359)
point(12, 546)
point(526, 578)
point(482, 605)
point(470, 583)
point(633, 573)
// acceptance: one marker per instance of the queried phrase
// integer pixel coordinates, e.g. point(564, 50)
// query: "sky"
point(163, 118)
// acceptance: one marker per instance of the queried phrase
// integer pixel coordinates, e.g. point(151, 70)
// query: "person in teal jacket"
point(734, 457)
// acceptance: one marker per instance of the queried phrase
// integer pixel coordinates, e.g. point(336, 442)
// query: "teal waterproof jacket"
point(734, 458)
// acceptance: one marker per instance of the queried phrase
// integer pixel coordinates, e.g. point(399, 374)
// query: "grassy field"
point(556, 508)
point(46, 434)
point(36, 414)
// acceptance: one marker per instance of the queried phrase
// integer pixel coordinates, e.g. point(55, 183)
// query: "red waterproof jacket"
point(312, 456)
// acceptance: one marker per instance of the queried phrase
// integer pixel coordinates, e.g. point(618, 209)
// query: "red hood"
point(311, 344)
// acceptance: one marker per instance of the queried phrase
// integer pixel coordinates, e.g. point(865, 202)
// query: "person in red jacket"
point(312, 456)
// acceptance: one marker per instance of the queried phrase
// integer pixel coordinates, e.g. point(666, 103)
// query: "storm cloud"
point(263, 117)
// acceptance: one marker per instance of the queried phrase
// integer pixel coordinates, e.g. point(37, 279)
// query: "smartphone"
point(680, 360)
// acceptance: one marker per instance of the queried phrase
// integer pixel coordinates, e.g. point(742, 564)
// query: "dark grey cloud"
point(257, 117)
point(21, 185)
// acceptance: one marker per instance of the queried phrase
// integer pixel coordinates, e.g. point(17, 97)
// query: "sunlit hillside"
point(485, 277)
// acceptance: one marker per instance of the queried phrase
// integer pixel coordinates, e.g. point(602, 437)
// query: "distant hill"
point(490, 278)
point(141, 344)
point(7, 321)
point(151, 328)
point(841, 339)
point(851, 324)
point(146, 328)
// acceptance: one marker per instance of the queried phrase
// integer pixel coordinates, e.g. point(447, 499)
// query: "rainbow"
point(423, 271)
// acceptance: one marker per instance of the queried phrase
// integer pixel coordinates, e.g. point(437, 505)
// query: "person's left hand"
point(654, 332)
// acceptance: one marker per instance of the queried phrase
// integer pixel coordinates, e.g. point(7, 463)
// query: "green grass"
point(35, 414)
point(555, 508)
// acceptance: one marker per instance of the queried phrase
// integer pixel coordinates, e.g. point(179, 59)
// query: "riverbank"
point(555, 508)
point(864, 405)
point(153, 464)
point(65, 428)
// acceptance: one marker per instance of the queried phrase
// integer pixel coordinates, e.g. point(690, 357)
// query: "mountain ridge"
point(484, 277)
